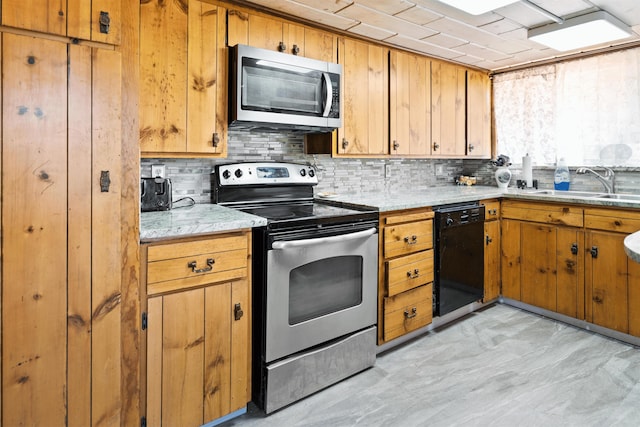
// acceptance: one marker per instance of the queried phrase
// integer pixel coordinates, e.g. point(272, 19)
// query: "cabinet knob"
point(396, 145)
point(282, 47)
point(488, 239)
point(594, 251)
point(295, 50)
point(574, 249)
point(237, 312)
point(105, 22)
point(471, 147)
point(436, 146)
point(345, 143)
point(215, 139)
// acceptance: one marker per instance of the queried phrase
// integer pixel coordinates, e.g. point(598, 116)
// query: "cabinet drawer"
point(612, 220)
point(182, 265)
point(407, 311)
point(409, 272)
point(408, 238)
point(491, 209)
point(544, 213)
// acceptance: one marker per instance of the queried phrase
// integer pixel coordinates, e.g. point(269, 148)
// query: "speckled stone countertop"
point(632, 246)
point(194, 220)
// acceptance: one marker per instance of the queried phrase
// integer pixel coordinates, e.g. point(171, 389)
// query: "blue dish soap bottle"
point(561, 178)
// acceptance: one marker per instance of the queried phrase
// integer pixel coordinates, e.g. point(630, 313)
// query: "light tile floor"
point(500, 366)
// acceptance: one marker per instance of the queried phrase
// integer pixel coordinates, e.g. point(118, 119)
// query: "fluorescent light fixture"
point(478, 7)
point(582, 31)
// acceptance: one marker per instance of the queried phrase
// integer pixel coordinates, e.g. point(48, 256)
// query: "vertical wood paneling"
point(320, 45)
point(106, 250)
point(47, 16)
point(448, 109)
point(217, 381)
point(79, 248)
point(1, 273)
point(378, 91)
point(79, 19)
point(183, 358)
point(237, 27)
point(634, 297)
point(570, 275)
point(510, 259)
point(492, 260)
point(154, 361)
point(222, 92)
point(478, 105)
point(34, 222)
point(203, 81)
point(294, 35)
point(113, 7)
point(241, 339)
point(163, 75)
point(538, 276)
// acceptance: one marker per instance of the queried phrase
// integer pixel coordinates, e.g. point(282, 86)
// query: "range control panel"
point(266, 173)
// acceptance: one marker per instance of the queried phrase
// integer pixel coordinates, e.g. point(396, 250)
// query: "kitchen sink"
point(569, 193)
point(621, 197)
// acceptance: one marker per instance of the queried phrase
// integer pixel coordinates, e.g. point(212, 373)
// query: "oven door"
point(319, 289)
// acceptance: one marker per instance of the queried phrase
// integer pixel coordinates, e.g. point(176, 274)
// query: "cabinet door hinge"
point(143, 422)
point(144, 321)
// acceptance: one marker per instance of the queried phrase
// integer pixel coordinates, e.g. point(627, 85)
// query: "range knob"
point(238, 173)
point(226, 174)
point(303, 172)
point(449, 221)
point(311, 173)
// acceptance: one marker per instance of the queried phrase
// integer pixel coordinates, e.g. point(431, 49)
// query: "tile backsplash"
point(193, 177)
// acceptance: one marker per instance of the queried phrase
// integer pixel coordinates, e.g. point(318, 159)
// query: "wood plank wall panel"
point(240, 351)
point(79, 19)
point(106, 251)
point(79, 248)
point(34, 239)
point(217, 328)
point(154, 362)
point(163, 37)
point(46, 16)
point(114, 8)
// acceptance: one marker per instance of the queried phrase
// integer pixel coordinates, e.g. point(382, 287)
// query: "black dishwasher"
point(459, 275)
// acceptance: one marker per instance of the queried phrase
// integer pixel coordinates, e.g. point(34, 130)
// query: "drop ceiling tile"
point(390, 7)
point(418, 15)
point(445, 40)
point(375, 33)
point(309, 13)
point(328, 6)
point(462, 30)
point(373, 17)
point(625, 10)
point(453, 13)
point(500, 26)
point(424, 47)
point(482, 52)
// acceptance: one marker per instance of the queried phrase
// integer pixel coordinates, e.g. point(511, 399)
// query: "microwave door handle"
point(327, 92)
point(323, 240)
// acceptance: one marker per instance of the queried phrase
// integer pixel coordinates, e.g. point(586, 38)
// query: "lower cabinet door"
point(197, 354)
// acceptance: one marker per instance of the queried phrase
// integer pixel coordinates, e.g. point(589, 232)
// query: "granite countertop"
point(632, 246)
point(194, 220)
point(212, 218)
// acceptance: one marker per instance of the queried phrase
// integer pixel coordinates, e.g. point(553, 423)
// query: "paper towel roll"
point(527, 171)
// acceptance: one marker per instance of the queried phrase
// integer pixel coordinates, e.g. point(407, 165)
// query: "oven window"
point(323, 287)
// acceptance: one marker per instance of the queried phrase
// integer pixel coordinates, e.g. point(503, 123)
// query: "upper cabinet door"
point(478, 114)
point(96, 20)
point(410, 104)
point(448, 83)
point(365, 99)
point(183, 74)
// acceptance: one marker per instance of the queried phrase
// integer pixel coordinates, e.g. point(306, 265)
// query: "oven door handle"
point(324, 240)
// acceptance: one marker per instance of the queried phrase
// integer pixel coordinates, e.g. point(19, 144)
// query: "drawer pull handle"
point(413, 274)
point(193, 265)
point(411, 241)
point(414, 313)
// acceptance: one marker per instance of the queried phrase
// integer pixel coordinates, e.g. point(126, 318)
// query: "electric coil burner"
point(315, 275)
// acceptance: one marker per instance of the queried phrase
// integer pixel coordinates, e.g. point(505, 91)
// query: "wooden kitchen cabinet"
point(61, 242)
point(612, 278)
point(542, 263)
point(448, 108)
point(406, 273)
point(410, 106)
point(183, 76)
point(491, 249)
point(259, 30)
point(198, 336)
point(478, 114)
point(365, 99)
point(96, 20)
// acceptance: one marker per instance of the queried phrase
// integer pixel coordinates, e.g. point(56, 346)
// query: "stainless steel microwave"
point(277, 91)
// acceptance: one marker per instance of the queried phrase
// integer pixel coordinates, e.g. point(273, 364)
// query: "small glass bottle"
point(561, 177)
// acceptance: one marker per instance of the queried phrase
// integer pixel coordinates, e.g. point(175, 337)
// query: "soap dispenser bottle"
point(561, 177)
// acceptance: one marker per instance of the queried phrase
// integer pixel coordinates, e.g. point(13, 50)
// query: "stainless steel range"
point(315, 275)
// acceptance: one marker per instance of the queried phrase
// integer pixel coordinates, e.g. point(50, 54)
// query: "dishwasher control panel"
point(459, 215)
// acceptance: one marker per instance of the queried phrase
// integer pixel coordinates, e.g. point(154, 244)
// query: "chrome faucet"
point(608, 180)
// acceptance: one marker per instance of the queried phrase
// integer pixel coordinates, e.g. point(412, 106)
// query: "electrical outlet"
point(439, 170)
point(387, 171)
point(157, 171)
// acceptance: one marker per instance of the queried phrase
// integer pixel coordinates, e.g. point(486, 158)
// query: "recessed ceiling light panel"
point(478, 7)
point(582, 31)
